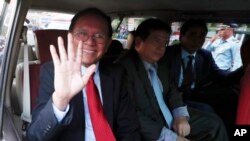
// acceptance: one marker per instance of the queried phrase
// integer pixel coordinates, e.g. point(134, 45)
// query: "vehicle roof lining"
point(212, 10)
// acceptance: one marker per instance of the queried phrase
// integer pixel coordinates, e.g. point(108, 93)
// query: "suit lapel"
point(163, 75)
point(198, 67)
point(143, 76)
point(177, 64)
point(107, 95)
point(78, 106)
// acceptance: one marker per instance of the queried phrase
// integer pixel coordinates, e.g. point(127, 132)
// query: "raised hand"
point(68, 80)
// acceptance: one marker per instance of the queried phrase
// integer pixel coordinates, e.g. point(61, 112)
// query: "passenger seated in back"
point(162, 114)
point(115, 48)
point(130, 39)
point(114, 51)
point(203, 82)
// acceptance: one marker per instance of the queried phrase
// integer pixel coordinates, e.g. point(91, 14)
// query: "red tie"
point(99, 122)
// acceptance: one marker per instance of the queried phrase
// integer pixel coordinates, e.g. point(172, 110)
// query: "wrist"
point(60, 102)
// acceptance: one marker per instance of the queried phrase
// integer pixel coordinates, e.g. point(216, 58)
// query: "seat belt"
point(26, 114)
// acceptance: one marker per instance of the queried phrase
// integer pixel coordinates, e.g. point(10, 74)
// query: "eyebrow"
point(85, 30)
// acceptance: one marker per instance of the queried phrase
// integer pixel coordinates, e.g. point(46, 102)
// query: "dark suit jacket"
point(204, 126)
point(143, 97)
point(206, 71)
point(117, 108)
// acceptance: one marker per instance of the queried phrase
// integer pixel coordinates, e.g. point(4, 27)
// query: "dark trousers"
point(222, 99)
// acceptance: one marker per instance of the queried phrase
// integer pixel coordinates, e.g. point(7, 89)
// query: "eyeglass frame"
point(96, 36)
point(158, 41)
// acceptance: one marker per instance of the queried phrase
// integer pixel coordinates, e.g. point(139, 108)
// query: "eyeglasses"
point(84, 36)
point(158, 42)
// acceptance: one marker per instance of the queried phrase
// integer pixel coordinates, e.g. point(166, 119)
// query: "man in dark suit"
point(65, 108)
point(208, 84)
point(183, 123)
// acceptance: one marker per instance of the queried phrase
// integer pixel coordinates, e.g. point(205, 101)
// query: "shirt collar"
point(83, 69)
point(148, 65)
point(230, 39)
point(184, 54)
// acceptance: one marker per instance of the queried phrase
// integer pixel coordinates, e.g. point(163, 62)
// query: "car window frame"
point(8, 67)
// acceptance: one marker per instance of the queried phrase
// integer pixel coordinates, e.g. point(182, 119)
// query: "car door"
point(11, 18)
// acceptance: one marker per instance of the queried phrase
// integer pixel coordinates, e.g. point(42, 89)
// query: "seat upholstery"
point(17, 96)
point(243, 109)
point(115, 48)
point(17, 85)
point(114, 51)
point(44, 39)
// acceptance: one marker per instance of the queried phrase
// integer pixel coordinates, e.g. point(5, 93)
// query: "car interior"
point(20, 63)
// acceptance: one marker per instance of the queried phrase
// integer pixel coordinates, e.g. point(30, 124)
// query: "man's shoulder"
point(204, 53)
point(110, 68)
point(129, 58)
point(173, 47)
point(233, 40)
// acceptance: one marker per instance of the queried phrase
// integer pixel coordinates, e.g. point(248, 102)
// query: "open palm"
point(68, 79)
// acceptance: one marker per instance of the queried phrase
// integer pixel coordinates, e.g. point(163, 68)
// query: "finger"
point(62, 51)
point(90, 70)
point(54, 55)
point(71, 49)
point(188, 131)
point(182, 132)
point(79, 52)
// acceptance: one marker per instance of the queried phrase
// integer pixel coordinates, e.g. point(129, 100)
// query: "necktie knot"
point(152, 68)
point(153, 73)
point(91, 80)
point(190, 58)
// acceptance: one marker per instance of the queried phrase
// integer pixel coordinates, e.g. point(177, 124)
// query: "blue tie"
point(158, 93)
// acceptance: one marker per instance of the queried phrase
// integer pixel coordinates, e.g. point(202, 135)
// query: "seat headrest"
point(115, 48)
point(48, 37)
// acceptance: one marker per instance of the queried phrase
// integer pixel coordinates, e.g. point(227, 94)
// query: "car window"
point(7, 9)
point(38, 19)
point(126, 17)
point(241, 33)
point(6, 19)
point(48, 20)
point(121, 30)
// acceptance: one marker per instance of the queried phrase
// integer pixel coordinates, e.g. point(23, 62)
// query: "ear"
point(138, 41)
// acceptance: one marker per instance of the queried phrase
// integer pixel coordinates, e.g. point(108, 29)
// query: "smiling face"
point(153, 47)
point(92, 30)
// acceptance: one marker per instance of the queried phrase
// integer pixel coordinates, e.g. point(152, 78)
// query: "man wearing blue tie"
point(162, 114)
